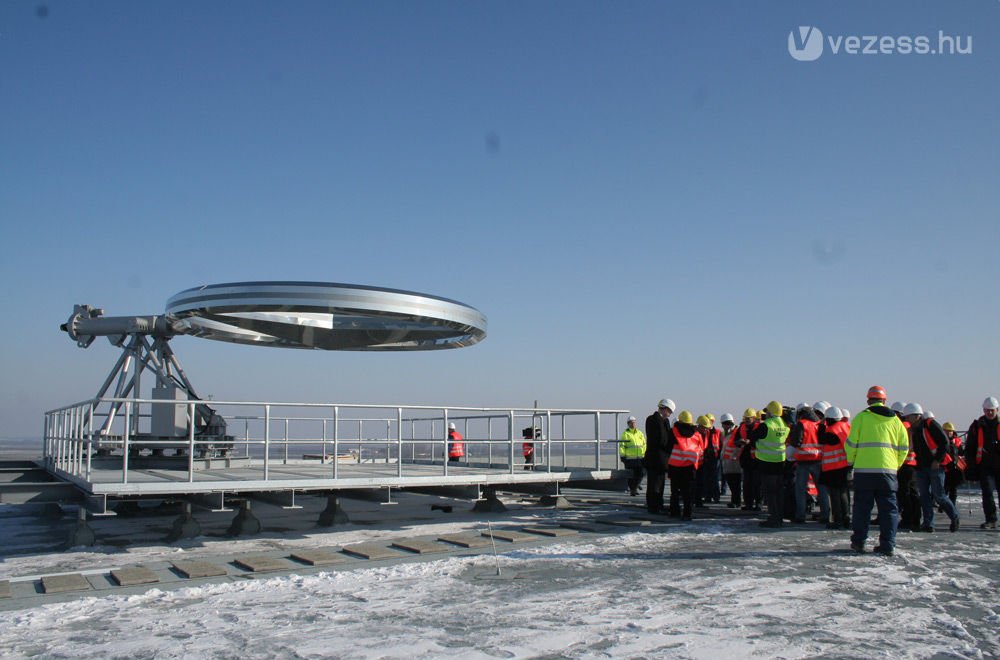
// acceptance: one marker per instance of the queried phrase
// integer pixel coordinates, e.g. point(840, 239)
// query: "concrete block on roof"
point(133, 575)
point(4, 588)
point(465, 540)
point(261, 563)
point(57, 584)
point(198, 569)
point(550, 530)
point(510, 535)
point(318, 557)
point(623, 522)
point(585, 526)
point(421, 546)
point(372, 551)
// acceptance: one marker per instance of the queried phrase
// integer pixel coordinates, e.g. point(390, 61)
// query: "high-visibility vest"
point(771, 448)
point(633, 444)
point(686, 451)
point(730, 452)
point(980, 442)
point(911, 457)
point(929, 441)
point(834, 456)
point(809, 449)
point(711, 439)
point(456, 446)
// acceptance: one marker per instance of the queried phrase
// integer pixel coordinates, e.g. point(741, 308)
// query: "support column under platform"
point(185, 526)
point(245, 523)
point(81, 534)
point(332, 514)
point(490, 502)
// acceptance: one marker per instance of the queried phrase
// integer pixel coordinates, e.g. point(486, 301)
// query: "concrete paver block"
point(549, 530)
point(583, 526)
point(57, 584)
point(261, 563)
point(131, 576)
point(624, 522)
point(465, 540)
point(4, 588)
point(423, 546)
point(198, 569)
point(318, 557)
point(371, 551)
point(510, 535)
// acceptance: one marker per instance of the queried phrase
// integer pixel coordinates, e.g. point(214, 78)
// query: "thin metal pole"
point(90, 437)
point(125, 441)
point(191, 444)
point(447, 453)
point(562, 420)
point(510, 433)
point(267, 439)
point(336, 440)
point(597, 438)
point(399, 437)
point(548, 439)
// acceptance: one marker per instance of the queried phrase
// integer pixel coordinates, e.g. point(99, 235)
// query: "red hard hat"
point(876, 392)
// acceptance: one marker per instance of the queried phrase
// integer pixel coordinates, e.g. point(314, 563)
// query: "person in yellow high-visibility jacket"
point(876, 448)
point(632, 449)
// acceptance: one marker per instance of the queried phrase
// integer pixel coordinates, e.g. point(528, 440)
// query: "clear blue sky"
point(646, 199)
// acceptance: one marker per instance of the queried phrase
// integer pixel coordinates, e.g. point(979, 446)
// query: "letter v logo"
point(806, 43)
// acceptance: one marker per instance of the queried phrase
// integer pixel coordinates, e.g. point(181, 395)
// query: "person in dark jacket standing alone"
point(982, 457)
point(658, 446)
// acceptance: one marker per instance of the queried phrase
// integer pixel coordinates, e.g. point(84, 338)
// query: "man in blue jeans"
point(876, 447)
point(931, 445)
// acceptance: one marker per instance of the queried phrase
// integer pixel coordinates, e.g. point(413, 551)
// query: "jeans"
point(988, 483)
point(865, 497)
point(802, 471)
point(930, 484)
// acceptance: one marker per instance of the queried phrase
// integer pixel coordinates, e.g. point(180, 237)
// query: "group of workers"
point(897, 458)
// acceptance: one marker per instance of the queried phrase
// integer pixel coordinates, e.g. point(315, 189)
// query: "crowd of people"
point(898, 459)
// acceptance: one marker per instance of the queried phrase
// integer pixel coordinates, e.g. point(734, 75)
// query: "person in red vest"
point(529, 434)
point(982, 455)
point(707, 489)
point(833, 476)
point(808, 457)
point(953, 472)
point(456, 444)
point(751, 479)
point(685, 459)
point(930, 444)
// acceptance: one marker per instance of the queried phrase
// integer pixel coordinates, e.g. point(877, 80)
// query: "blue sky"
point(646, 199)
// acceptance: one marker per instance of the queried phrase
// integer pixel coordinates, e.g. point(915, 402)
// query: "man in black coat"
point(658, 446)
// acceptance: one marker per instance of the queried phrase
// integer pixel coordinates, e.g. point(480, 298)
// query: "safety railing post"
point(126, 439)
point(510, 433)
point(191, 443)
point(267, 440)
point(285, 460)
point(336, 440)
point(90, 437)
point(597, 438)
point(447, 452)
point(548, 439)
point(399, 443)
point(562, 423)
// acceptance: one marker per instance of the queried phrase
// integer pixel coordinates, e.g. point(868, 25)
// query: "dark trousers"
point(682, 488)
point(708, 481)
point(888, 514)
point(634, 464)
point(734, 480)
point(952, 478)
point(654, 490)
point(908, 500)
point(773, 486)
point(988, 480)
point(840, 506)
point(751, 487)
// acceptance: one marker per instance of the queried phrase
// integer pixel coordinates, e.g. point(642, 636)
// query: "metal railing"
point(262, 437)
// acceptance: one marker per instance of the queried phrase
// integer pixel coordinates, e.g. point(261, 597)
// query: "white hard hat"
point(821, 406)
point(800, 406)
point(666, 403)
point(897, 406)
point(451, 426)
point(928, 414)
point(845, 412)
point(632, 419)
point(990, 403)
point(912, 409)
point(726, 417)
point(833, 412)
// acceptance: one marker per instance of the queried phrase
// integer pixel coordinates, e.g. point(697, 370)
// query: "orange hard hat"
point(876, 392)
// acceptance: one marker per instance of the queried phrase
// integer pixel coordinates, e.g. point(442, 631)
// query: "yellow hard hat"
point(948, 426)
point(749, 413)
point(684, 417)
point(704, 422)
point(710, 416)
point(774, 408)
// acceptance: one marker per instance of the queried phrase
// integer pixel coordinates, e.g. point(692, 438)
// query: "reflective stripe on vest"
point(686, 451)
point(834, 456)
point(911, 458)
point(456, 448)
point(633, 444)
point(809, 449)
point(730, 452)
point(771, 448)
